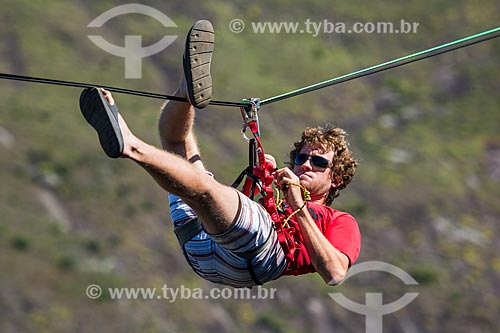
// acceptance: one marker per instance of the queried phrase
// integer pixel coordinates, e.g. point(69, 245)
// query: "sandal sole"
point(104, 119)
point(197, 58)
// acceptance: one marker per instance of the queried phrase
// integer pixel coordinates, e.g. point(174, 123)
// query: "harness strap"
point(262, 176)
point(187, 231)
point(250, 255)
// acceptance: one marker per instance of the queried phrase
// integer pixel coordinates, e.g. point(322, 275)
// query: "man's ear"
point(336, 182)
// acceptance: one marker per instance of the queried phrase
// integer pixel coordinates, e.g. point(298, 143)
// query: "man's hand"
point(284, 178)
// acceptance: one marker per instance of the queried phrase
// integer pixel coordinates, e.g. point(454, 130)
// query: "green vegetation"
point(426, 193)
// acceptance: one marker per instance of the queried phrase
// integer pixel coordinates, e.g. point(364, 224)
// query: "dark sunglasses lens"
point(316, 160)
point(300, 159)
point(320, 161)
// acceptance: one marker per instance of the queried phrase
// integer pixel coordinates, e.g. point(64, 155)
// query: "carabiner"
point(249, 113)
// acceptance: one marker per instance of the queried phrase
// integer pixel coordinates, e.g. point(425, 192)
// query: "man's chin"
point(305, 181)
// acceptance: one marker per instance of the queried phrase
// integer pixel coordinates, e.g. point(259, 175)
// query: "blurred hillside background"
point(426, 194)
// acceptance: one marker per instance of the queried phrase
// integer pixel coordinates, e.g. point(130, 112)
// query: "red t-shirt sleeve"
point(343, 232)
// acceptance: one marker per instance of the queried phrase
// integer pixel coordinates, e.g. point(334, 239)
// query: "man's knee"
point(217, 206)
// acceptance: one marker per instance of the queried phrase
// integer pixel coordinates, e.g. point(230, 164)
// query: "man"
point(226, 237)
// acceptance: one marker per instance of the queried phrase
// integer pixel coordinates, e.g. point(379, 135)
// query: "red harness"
point(259, 178)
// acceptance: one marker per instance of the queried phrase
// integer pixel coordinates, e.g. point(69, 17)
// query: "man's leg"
point(176, 129)
point(176, 120)
point(215, 204)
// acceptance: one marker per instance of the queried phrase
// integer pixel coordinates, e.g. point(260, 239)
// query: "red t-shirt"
point(340, 228)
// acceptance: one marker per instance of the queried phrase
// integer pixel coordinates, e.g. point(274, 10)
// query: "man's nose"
point(307, 165)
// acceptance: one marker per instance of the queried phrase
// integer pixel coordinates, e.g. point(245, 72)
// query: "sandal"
point(103, 117)
point(196, 62)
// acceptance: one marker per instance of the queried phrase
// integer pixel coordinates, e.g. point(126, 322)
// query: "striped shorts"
point(246, 254)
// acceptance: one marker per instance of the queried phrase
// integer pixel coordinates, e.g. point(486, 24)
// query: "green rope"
point(447, 47)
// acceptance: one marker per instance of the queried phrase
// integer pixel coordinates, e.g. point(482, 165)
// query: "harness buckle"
point(249, 113)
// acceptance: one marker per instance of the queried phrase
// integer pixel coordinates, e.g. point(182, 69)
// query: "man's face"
point(316, 179)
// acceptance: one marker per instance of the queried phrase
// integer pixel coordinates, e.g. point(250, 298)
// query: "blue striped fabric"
point(214, 257)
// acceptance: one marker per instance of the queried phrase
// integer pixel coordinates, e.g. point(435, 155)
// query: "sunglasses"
point(318, 161)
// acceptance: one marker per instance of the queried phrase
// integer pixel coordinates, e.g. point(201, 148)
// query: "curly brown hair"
point(330, 138)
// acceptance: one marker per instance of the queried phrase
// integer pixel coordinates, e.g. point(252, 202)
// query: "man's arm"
point(329, 262)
